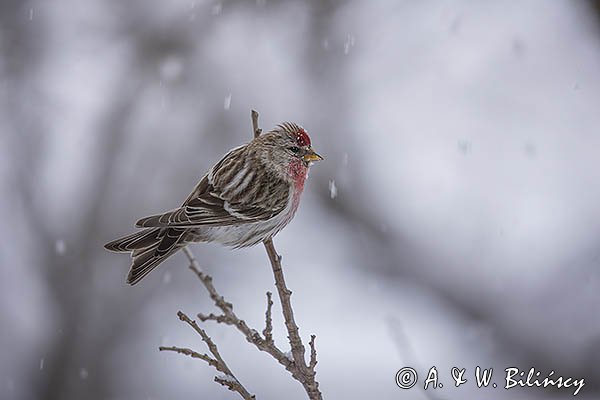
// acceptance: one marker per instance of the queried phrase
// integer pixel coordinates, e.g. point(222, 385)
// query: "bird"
point(246, 198)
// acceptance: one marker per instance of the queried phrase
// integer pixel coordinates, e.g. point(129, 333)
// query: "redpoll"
point(244, 199)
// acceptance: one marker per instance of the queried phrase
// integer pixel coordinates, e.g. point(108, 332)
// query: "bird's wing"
point(233, 192)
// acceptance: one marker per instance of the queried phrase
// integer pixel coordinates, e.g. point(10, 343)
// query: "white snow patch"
point(227, 378)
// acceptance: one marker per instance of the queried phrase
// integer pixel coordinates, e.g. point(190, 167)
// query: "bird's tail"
point(149, 248)
point(138, 240)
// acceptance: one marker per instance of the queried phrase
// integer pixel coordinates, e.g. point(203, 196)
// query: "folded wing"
point(233, 192)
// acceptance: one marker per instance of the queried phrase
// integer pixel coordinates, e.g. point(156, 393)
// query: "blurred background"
point(454, 222)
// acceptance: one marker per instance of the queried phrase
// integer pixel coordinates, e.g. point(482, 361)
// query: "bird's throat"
point(298, 172)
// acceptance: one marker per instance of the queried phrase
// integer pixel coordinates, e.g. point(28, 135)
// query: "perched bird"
point(244, 199)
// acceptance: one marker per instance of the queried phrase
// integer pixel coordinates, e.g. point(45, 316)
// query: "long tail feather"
point(149, 248)
point(137, 240)
point(146, 259)
point(143, 264)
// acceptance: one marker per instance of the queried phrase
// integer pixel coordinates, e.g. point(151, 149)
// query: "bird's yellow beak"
point(311, 156)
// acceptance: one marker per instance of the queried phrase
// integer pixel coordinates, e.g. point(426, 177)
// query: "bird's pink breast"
point(298, 171)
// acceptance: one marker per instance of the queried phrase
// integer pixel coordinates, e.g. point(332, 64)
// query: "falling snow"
point(530, 150)
point(464, 146)
point(31, 14)
point(345, 160)
point(83, 373)
point(217, 8)
point(192, 8)
point(60, 247)
point(167, 278)
point(41, 364)
point(227, 102)
point(332, 189)
point(348, 43)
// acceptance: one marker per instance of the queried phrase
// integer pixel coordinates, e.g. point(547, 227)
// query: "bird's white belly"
point(249, 234)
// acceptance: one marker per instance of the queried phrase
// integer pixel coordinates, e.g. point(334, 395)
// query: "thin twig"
point(212, 317)
point(189, 352)
point(268, 331)
point(313, 353)
point(230, 318)
point(307, 374)
point(229, 380)
point(285, 297)
point(207, 281)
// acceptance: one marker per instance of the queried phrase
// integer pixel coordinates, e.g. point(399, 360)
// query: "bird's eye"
point(295, 149)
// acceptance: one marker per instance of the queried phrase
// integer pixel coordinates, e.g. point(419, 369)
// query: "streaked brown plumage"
point(247, 197)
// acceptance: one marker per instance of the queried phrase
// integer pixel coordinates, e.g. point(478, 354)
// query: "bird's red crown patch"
point(302, 138)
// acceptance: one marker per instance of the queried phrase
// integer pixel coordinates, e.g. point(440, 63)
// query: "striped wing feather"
point(236, 191)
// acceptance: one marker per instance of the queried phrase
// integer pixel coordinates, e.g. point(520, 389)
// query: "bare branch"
point(313, 353)
point(268, 331)
point(285, 297)
point(233, 384)
point(230, 318)
point(212, 347)
point(303, 373)
point(207, 281)
point(212, 317)
point(189, 352)
point(228, 380)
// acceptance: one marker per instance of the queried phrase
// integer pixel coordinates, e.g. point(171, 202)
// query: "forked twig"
point(228, 379)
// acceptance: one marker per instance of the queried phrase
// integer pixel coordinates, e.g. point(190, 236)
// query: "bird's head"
point(288, 146)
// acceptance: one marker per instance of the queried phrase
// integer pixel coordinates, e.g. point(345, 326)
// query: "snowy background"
point(455, 221)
